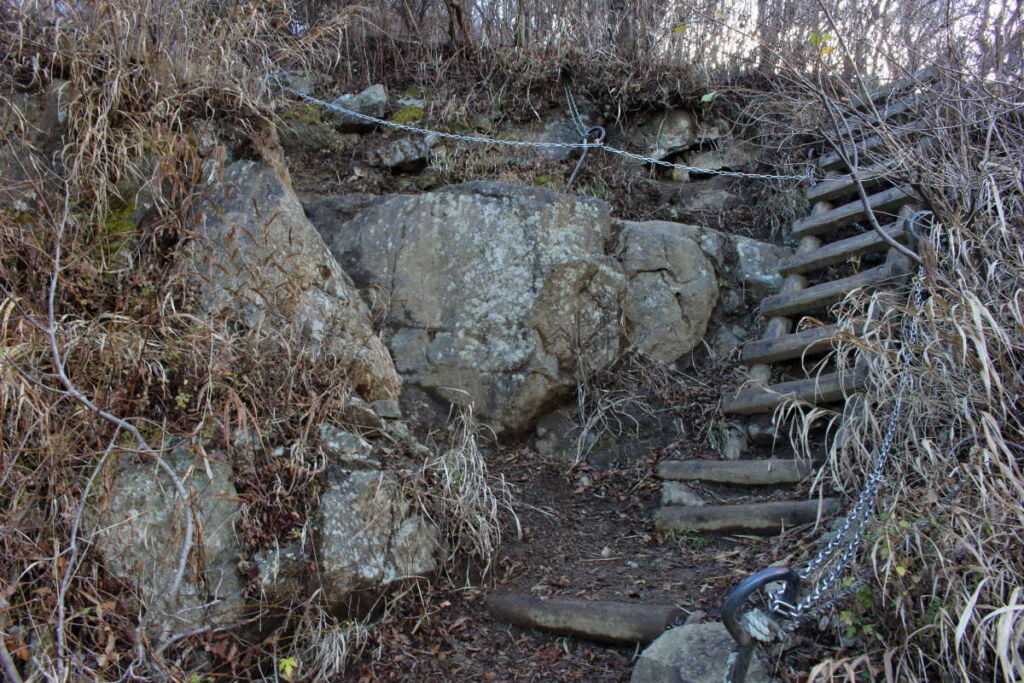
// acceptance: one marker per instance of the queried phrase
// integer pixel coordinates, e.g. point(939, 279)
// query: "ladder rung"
point(749, 517)
point(838, 186)
point(740, 472)
point(926, 74)
point(841, 250)
point(827, 388)
point(887, 201)
point(820, 297)
point(810, 342)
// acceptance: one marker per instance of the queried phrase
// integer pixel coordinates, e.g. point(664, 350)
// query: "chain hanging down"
point(840, 551)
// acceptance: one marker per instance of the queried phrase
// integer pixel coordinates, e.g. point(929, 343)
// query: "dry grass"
point(144, 83)
point(455, 491)
point(943, 555)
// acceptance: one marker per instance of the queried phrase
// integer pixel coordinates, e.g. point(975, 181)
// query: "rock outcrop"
point(500, 295)
point(671, 290)
point(369, 538)
point(663, 134)
point(261, 263)
point(137, 524)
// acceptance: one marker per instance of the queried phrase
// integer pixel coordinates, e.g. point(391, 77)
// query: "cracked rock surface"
point(500, 295)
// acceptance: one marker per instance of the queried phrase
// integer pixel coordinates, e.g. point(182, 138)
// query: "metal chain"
point(574, 113)
point(842, 548)
point(542, 145)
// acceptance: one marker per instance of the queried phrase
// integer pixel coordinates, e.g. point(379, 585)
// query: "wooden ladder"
point(817, 276)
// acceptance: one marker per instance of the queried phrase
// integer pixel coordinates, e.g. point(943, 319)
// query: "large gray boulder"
point(262, 264)
point(501, 296)
point(136, 523)
point(695, 653)
point(671, 291)
point(369, 536)
point(738, 261)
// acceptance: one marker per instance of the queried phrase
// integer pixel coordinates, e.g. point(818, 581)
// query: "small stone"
point(347, 449)
point(372, 102)
point(678, 493)
point(387, 409)
point(735, 443)
point(696, 653)
point(405, 155)
point(301, 81)
point(606, 551)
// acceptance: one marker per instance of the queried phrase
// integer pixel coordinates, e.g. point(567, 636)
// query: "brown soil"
point(586, 535)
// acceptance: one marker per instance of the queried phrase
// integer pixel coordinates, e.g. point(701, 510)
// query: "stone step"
point(750, 517)
point(820, 297)
point(887, 201)
point(742, 472)
point(843, 185)
point(841, 250)
point(827, 388)
point(810, 342)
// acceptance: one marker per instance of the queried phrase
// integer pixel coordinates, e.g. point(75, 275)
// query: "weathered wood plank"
point(887, 201)
point(740, 472)
point(820, 297)
point(834, 161)
point(822, 389)
point(810, 342)
point(604, 622)
point(841, 250)
point(837, 186)
point(753, 517)
point(926, 74)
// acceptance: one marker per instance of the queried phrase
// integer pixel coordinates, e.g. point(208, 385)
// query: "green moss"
point(408, 114)
point(115, 228)
point(413, 92)
point(307, 113)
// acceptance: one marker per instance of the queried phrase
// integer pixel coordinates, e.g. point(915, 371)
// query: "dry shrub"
point(943, 556)
point(455, 491)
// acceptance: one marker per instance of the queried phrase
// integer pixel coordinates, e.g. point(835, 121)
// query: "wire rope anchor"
point(594, 136)
point(756, 625)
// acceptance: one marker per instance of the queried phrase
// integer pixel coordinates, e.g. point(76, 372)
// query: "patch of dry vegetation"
point(942, 563)
point(142, 80)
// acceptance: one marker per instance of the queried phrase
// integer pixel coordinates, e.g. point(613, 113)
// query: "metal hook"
point(735, 601)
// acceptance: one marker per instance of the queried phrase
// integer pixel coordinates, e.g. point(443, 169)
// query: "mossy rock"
point(302, 131)
point(408, 114)
point(306, 113)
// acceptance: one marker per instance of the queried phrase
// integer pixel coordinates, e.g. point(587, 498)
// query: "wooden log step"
point(834, 161)
point(836, 186)
point(741, 472)
point(820, 297)
point(813, 341)
point(924, 75)
point(887, 201)
point(841, 250)
point(751, 517)
point(606, 622)
point(827, 388)
point(864, 119)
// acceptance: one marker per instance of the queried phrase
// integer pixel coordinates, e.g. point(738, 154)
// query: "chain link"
point(838, 554)
point(809, 175)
